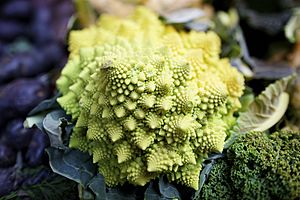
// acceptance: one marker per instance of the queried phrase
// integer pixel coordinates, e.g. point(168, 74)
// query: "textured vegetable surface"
point(148, 100)
point(258, 166)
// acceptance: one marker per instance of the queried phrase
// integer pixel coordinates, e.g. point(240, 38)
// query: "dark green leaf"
point(45, 105)
point(87, 195)
point(152, 193)
point(120, 194)
point(35, 120)
point(97, 185)
point(101, 192)
point(215, 156)
point(72, 164)
point(37, 115)
point(234, 133)
point(54, 124)
point(168, 190)
point(203, 177)
point(67, 130)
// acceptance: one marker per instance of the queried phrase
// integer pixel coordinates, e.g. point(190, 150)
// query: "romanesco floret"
point(258, 166)
point(148, 100)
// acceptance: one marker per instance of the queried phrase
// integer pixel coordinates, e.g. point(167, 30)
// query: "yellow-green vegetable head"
point(148, 100)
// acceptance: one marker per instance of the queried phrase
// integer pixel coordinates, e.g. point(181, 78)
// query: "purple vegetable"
point(7, 156)
point(34, 62)
point(9, 29)
point(7, 181)
point(35, 154)
point(16, 9)
point(19, 97)
point(2, 48)
point(9, 68)
point(16, 135)
point(62, 14)
point(41, 29)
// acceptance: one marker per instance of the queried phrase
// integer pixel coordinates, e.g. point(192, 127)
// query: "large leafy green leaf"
point(73, 164)
point(97, 185)
point(161, 189)
point(54, 124)
point(203, 176)
point(101, 192)
point(85, 194)
point(78, 167)
point(152, 193)
point(35, 120)
point(37, 115)
point(267, 109)
point(167, 189)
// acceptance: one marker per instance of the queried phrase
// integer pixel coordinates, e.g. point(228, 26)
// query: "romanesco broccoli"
point(147, 99)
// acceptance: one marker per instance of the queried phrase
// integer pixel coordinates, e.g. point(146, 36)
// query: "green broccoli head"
point(148, 100)
point(258, 166)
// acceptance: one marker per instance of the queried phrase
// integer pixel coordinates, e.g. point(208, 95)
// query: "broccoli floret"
point(148, 100)
point(258, 166)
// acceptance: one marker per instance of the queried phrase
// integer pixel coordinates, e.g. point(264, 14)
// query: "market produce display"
point(155, 101)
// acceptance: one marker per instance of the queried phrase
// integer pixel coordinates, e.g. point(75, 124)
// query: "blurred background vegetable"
point(32, 44)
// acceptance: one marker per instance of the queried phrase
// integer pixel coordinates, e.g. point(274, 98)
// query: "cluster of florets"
point(257, 166)
point(148, 100)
